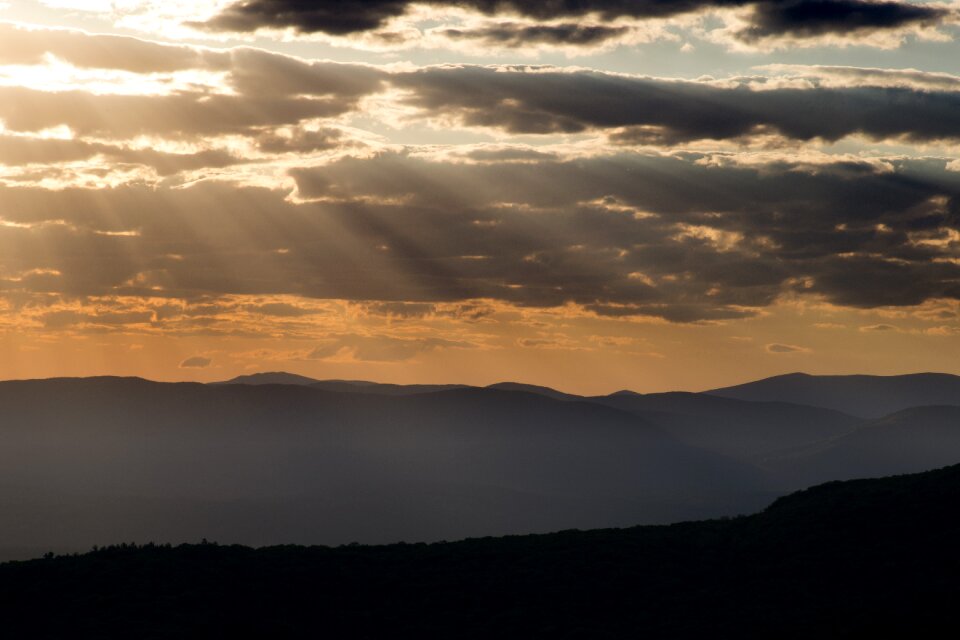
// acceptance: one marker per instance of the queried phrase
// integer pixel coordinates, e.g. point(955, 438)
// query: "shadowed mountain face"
point(734, 428)
point(862, 559)
point(84, 461)
point(864, 396)
point(905, 442)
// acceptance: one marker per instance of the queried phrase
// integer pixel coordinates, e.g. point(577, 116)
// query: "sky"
point(587, 194)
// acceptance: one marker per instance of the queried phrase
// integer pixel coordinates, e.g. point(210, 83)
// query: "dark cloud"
point(300, 141)
point(65, 319)
point(798, 18)
point(196, 362)
point(400, 310)
point(683, 238)
point(785, 348)
point(645, 110)
point(337, 17)
point(811, 18)
point(880, 327)
point(508, 34)
point(505, 154)
point(279, 310)
point(22, 151)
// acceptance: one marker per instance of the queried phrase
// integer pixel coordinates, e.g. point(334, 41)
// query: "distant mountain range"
point(276, 457)
point(856, 395)
point(862, 559)
point(864, 396)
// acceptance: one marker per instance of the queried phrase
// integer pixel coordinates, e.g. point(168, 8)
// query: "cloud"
point(196, 362)
point(778, 348)
point(291, 106)
point(400, 310)
point(847, 76)
point(69, 318)
point(279, 310)
point(173, 90)
point(770, 18)
point(24, 150)
point(530, 100)
point(192, 114)
point(25, 45)
point(305, 16)
point(514, 35)
point(811, 18)
point(713, 239)
point(881, 328)
point(299, 140)
point(351, 348)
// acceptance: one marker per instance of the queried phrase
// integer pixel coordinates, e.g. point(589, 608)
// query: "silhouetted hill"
point(905, 442)
point(734, 427)
point(862, 559)
point(86, 461)
point(382, 388)
point(341, 386)
point(532, 388)
point(865, 396)
point(272, 377)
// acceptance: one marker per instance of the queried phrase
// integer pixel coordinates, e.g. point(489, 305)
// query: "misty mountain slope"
point(858, 395)
point(908, 441)
point(859, 559)
point(83, 459)
point(731, 427)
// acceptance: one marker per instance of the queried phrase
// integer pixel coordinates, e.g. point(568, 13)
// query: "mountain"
point(906, 442)
point(861, 559)
point(381, 388)
point(341, 386)
point(272, 377)
point(731, 427)
point(864, 396)
point(84, 461)
point(532, 388)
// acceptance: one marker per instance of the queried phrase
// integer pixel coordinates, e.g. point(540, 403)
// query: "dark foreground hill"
point(858, 559)
point(864, 396)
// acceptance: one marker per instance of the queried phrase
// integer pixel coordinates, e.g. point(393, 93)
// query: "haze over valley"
point(274, 458)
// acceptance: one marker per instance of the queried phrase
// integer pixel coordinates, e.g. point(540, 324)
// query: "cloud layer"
point(766, 18)
point(683, 238)
point(243, 172)
point(649, 110)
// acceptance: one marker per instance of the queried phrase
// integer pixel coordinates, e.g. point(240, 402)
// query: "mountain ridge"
point(866, 396)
